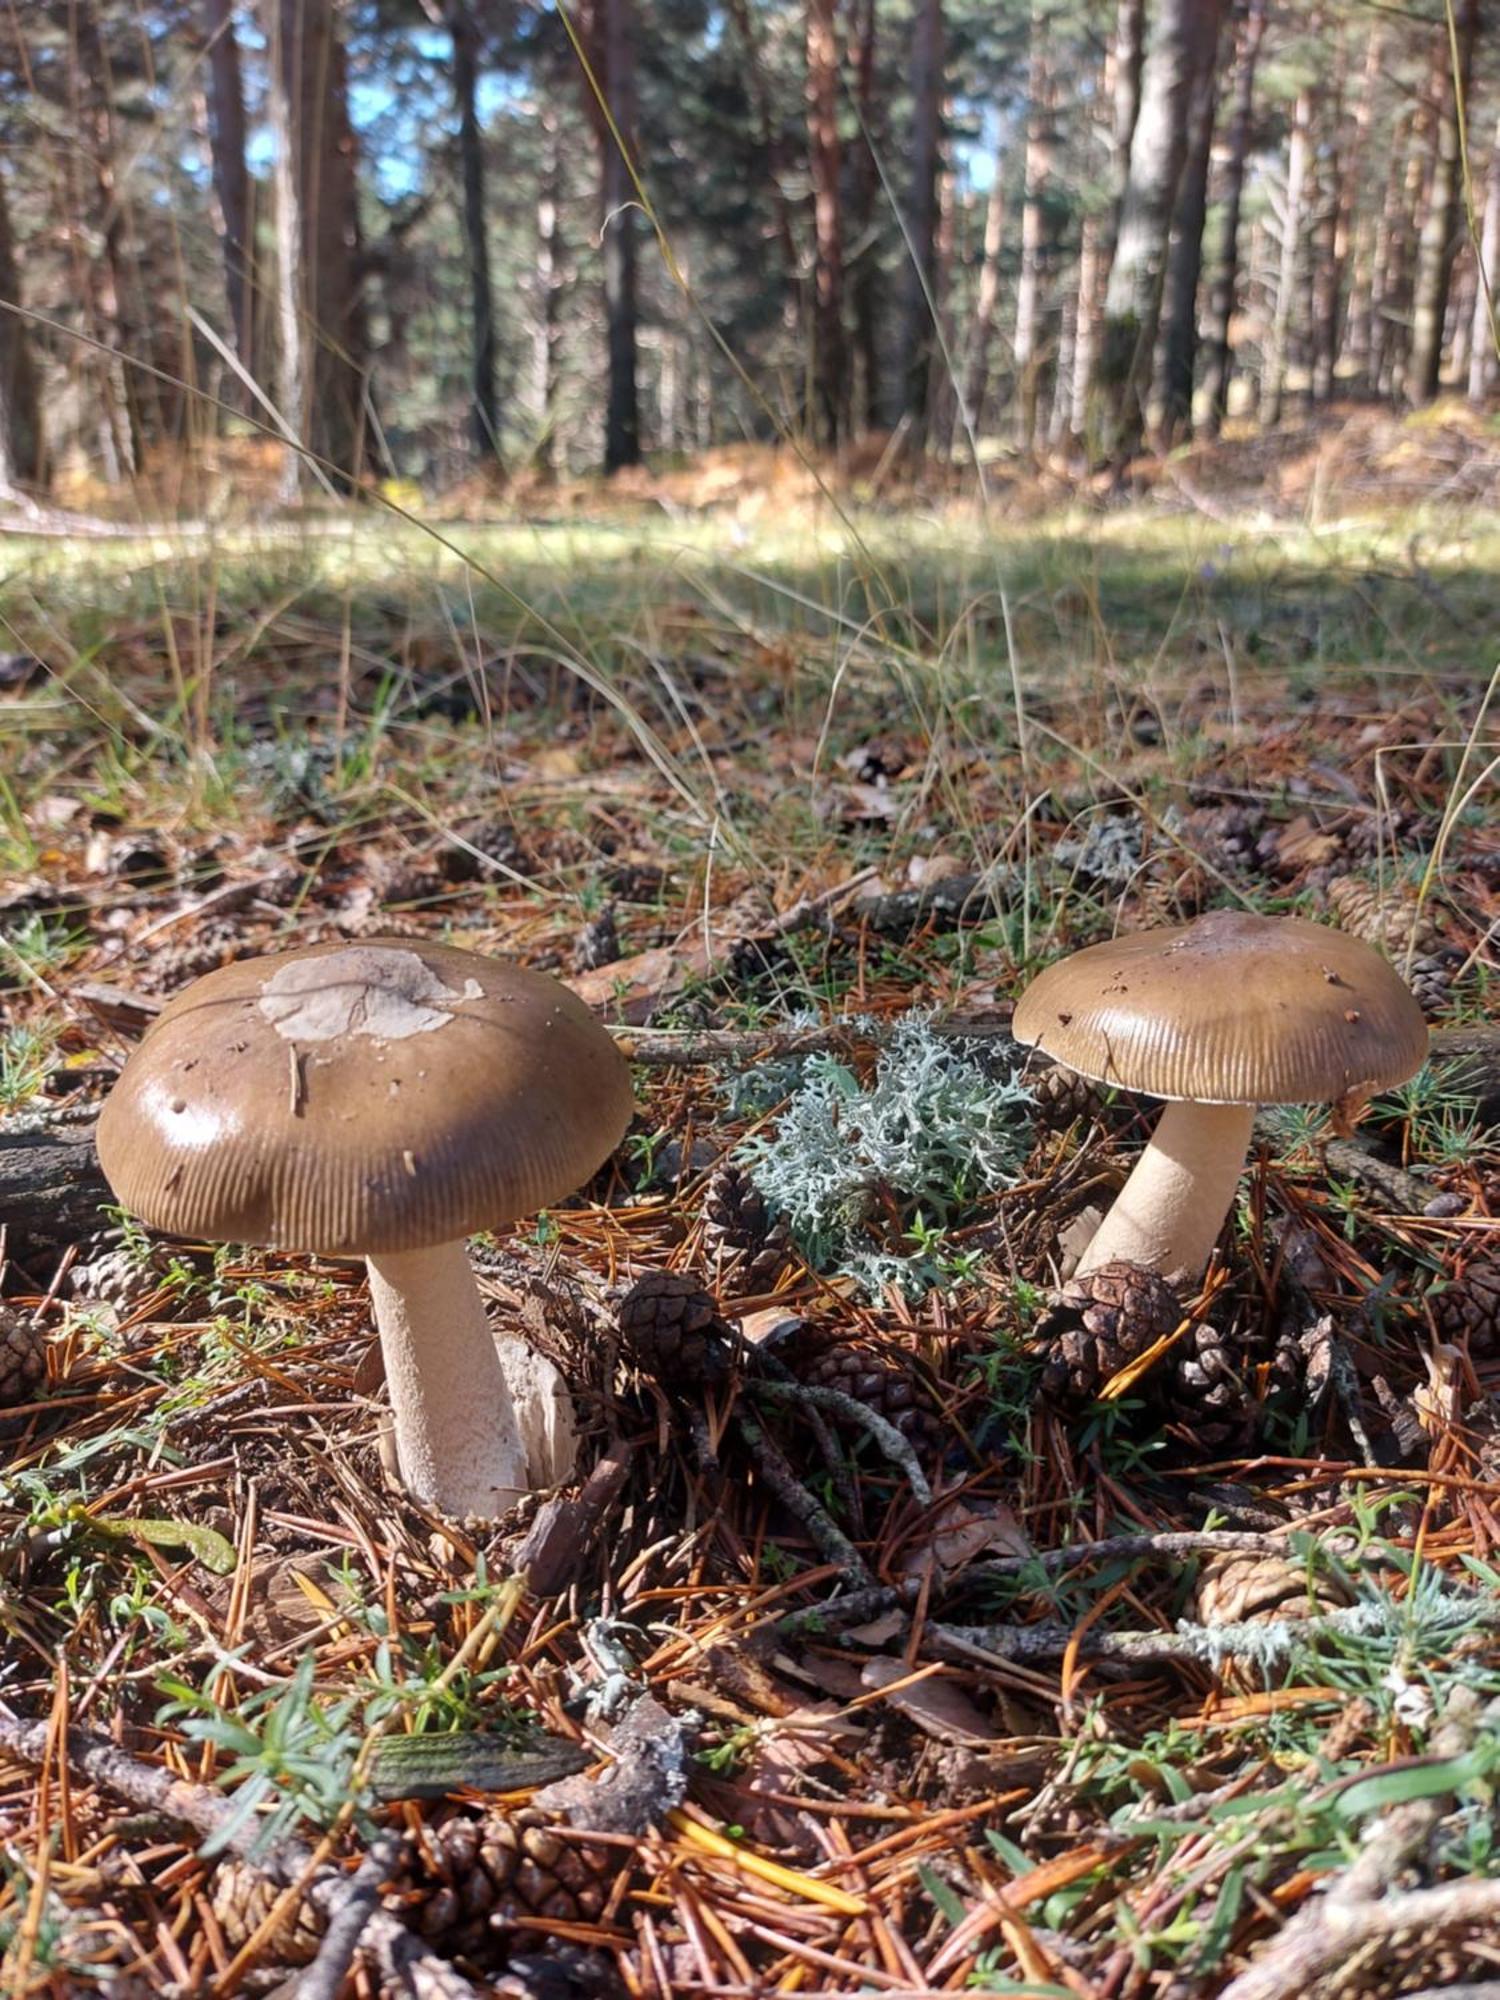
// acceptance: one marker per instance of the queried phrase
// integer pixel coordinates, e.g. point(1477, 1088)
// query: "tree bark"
point(1441, 229)
point(918, 290)
point(1325, 280)
point(1354, 234)
point(1482, 357)
point(1179, 348)
point(484, 409)
point(226, 128)
point(549, 284)
point(1299, 149)
point(1226, 263)
point(1028, 349)
point(830, 401)
point(325, 357)
point(976, 382)
point(20, 407)
point(865, 276)
point(1121, 95)
point(1132, 304)
point(622, 425)
point(106, 280)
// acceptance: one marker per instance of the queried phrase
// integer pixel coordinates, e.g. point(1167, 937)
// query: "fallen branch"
point(1354, 1910)
point(400, 1957)
point(884, 1432)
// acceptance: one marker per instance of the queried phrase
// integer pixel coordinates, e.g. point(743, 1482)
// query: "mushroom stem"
point(1169, 1213)
point(459, 1440)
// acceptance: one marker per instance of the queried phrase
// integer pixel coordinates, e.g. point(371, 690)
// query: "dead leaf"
point(960, 1534)
point(936, 1706)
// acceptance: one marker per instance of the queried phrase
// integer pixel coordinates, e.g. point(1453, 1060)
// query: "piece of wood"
point(52, 1191)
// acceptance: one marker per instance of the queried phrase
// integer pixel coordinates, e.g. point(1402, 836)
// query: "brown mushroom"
point(384, 1100)
point(1217, 1017)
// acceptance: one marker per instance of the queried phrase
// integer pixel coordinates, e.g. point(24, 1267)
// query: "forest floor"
point(1112, 1679)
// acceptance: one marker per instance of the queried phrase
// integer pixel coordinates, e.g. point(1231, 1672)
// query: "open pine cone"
point(470, 1883)
point(1101, 1322)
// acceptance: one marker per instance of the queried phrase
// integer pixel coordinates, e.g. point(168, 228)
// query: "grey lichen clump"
point(868, 1176)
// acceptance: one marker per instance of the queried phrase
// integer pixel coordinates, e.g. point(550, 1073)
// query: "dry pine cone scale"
point(469, 1883)
point(740, 1234)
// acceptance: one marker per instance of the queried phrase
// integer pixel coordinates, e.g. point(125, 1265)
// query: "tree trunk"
point(484, 410)
point(1179, 349)
point(770, 139)
point(325, 356)
point(20, 409)
point(1029, 348)
point(226, 127)
point(914, 373)
point(1226, 263)
point(1132, 303)
point(106, 280)
point(830, 402)
point(1299, 149)
point(976, 382)
point(1324, 275)
point(1388, 256)
point(1127, 55)
point(1440, 230)
point(549, 284)
point(1482, 356)
point(865, 277)
point(622, 423)
point(1121, 95)
point(1354, 237)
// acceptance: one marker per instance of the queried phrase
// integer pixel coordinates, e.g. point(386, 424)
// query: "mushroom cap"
point(1230, 1009)
point(365, 1098)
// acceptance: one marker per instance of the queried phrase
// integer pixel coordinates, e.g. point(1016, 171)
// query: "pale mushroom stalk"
point(459, 1439)
point(1168, 1215)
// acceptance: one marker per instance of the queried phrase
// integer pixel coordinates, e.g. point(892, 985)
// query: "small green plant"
point(25, 1061)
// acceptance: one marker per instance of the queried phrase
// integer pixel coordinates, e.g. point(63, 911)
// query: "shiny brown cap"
point(1231, 1009)
point(361, 1098)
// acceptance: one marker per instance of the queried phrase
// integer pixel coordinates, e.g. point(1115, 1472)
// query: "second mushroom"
point(1217, 1016)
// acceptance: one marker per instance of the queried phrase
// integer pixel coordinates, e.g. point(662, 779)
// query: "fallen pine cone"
point(740, 1233)
point(23, 1358)
point(884, 1383)
point(1469, 1308)
point(242, 1900)
point(672, 1329)
point(1101, 1322)
point(1064, 1098)
point(470, 1883)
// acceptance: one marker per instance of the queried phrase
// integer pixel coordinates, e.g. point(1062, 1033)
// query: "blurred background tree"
point(449, 240)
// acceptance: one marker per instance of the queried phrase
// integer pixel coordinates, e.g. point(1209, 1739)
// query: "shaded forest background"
point(450, 240)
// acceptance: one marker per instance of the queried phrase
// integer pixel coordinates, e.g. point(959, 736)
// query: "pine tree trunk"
point(830, 404)
point(1132, 303)
point(20, 408)
point(1299, 149)
point(622, 424)
point(1226, 263)
point(1440, 231)
point(1121, 94)
point(769, 137)
point(1387, 259)
point(549, 285)
point(977, 378)
point(1028, 350)
point(484, 409)
point(1323, 258)
point(1178, 360)
point(122, 432)
point(226, 126)
point(865, 278)
point(1482, 356)
point(320, 258)
point(916, 343)
point(1354, 245)
point(1127, 56)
